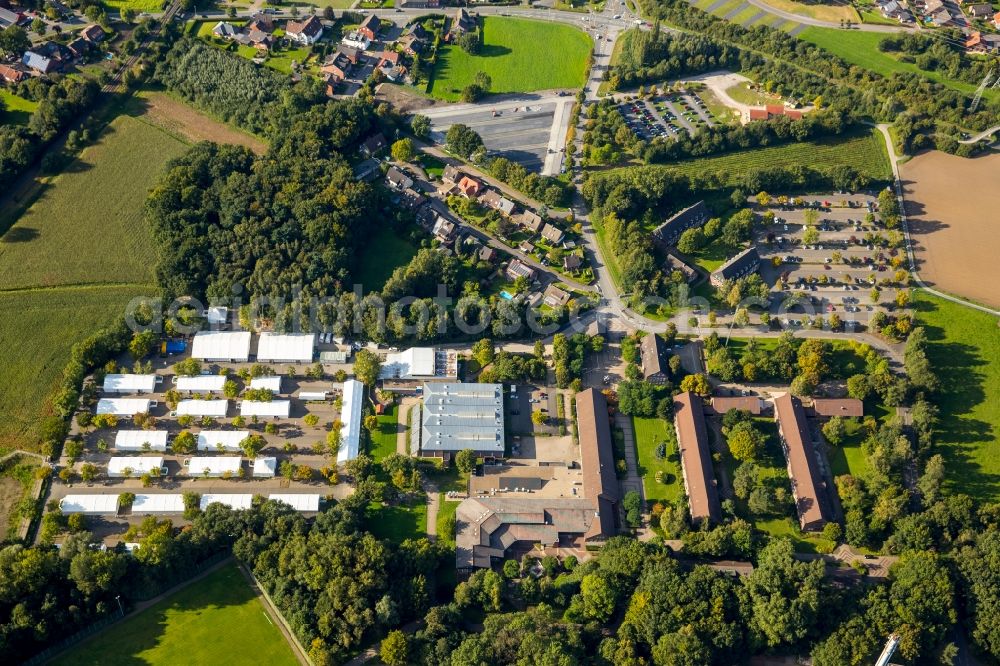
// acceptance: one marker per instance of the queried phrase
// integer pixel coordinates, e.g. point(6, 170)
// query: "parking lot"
point(666, 116)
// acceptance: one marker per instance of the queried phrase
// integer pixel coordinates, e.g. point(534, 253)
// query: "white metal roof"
point(233, 501)
point(89, 504)
point(272, 382)
point(132, 440)
point(158, 503)
point(138, 464)
point(298, 501)
point(286, 347)
point(350, 416)
point(217, 315)
point(216, 408)
point(201, 384)
point(221, 345)
point(265, 466)
point(123, 406)
point(216, 465)
point(209, 440)
point(275, 408)
point(129, 383)
point(413, 362)
point(314, 396)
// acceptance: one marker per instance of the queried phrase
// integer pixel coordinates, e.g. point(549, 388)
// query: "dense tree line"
point(941, 53)
point(658, 56)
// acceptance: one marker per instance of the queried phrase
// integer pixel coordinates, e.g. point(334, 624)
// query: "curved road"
point(806, 20)
point(982, 135)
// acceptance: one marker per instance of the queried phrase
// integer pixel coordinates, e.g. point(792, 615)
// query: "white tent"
point(312, 396)
point(275, 408)
point(233, 501)
point(298, 501)
point(350, 416)
point(133, 440)
point(286, 348)
point(123, 406)
point(209, 440)
point(138, 465)
point(272, 383)
point(217, 316)
point(409, 364)
point(129, 383)
point(104, 504)
point(215, 466)
point(159, 503)
point(201, 384)
point(264, 468)
point(230, 346)
point(214, 408)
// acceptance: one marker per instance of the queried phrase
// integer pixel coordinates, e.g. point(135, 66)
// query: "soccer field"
point(216, 620)
point(519, 56)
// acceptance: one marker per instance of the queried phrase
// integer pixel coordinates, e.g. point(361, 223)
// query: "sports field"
point(518, 55)
point(216, 620)
point(965, 353)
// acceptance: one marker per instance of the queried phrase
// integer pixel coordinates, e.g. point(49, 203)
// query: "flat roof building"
point(158, 503)
point(420, 363)
point(213, 466)
point(275, 409)
point(305, 502)
point(350, 417)
point(123, 406)
point(135, 440)
point(228, 346)
point(696, 458)
point(271, 383)
point(201, 384)
point(265, 467)
point(90, 504)
point(228, 440)
point(128, 384)
point(234, 501)
point(133, 466)
point(286, 347)
point(462, 416)
point(808, 487)
point(213, 408)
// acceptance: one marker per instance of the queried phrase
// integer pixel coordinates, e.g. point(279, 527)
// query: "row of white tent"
point(126, 384)
point(123, 466)
point(107, 504)
point(234, 347)
point(126, 407)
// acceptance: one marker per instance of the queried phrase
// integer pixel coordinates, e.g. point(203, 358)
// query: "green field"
point(217, 620)
point(649, 433)
point(864, 150)
point(445, 508)
point(384, 439)
point(71, 263)
point(18, 110)
point(398, 522)
point(137, 5)
point(849, 458)
point(965, 353)
point(385, 252)
point(861, 48)
point(518, 55)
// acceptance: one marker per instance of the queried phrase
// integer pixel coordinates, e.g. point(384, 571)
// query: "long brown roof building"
point(696, 459)
point(808, 486)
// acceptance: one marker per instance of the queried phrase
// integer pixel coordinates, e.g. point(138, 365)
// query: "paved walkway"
point(403, 423)
point(433, 504)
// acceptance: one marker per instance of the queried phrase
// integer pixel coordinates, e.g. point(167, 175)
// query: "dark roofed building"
point(373, 145)
point(655, 368)
point(370, 26)
point(572, 261)
point(696, 459)
point(743, 264)
point(808, 487)
point(694, 216)
point(93, 33)
point(397, 179)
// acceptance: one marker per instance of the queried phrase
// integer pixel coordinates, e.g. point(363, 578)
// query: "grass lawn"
point(137, 5)
point(17, 480)
point(384, 439)
point(848, 458)
point(742, 93)
point(445, 508)
point(386, 252)
point(861, 48)
point(400, 521)
point(965, 352)
point(863, 150)
point(649, 433)
point(517, 54)
point(432, 165)
point(18, 110)
point(216, 620)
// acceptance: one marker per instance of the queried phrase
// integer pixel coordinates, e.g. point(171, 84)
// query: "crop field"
point(864, 151)
point(18, 110)
point(177, 118)
point(965, 352)
point(217, 620)
point(517, 54)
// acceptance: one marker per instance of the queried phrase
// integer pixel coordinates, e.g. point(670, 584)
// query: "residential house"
point(808, 486)
point(531, 221)
point(397, 179)
point(12, 73)
point(444, 229)
point(40, 63)
point(9, 17)
point(696, 458)
point(350, 53)
point(488, 254)
point(931, 6)
point(720, 406)
point(469, 187)
point(673, 263)
point(774, 111)
point(655, 359)
point(367, 169)
point(390, 58)
point(356, 40)
point(93, 33)
point(554, 297)
point(744, 263)
point(262, 21)
point(451, 174)
point(496, 201)
point(79, 47)
point(896, 10)
point(226, 30)
point(462, 23)
point(845, 407)
point(571, 262)
point(980, 10)
point(305, 32)
point(374, 145)
point(517, 268)
point(394, 73)
point(941, 18)
point(527, 247)
point(553, 234)
point(370, 27)
point(411, 44)
point(259, 38)
point(412, 199)
point(996, 20)
point(670, 231)
point(336, 67)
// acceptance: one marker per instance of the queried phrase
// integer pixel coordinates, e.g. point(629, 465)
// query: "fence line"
point(281, 618)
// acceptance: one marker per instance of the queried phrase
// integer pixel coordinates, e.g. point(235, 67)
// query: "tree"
point(835, 430)
point(395, 649)
point(858, 387)
point(470, 42)
point(697, 383)
point(538, 417)
point(371, 423)
point(403, 150)
point(421, 126)
point(367, 367)
point(311, 420)
point(252, 445)
point(810, 236)
point(184, 443)
point(465, 460)
point(745, 441)
point(598, 596)
point(483, 351)
point(142, 344)
point(462, 140)
point(511, 569)
point(14, 41)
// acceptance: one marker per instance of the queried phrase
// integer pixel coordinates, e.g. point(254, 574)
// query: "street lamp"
point(118, 598)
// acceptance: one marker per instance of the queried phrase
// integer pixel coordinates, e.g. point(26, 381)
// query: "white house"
point(308, 502)
point(265, 467)
point(356, 40)
point(286, 347)
point(229, 440)
point(271, 383)
point(274, 409)
point(201, 384)
point(305, 32)
point(350, 416)
point(232, 500)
